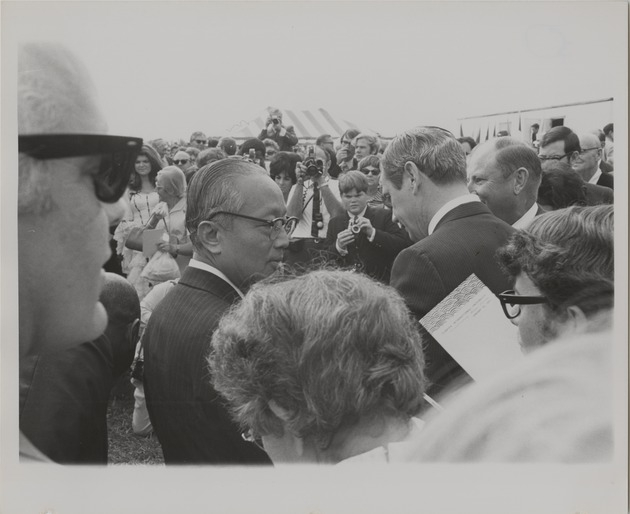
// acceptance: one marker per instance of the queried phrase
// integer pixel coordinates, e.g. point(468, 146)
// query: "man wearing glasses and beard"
point(236, 217)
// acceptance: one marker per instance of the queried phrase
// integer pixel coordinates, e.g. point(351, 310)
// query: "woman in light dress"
point(143, 198)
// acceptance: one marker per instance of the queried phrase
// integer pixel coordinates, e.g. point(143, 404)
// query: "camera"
point(252, 155)
point(275, 121)
point(355, 228)
point(314, 167)
point(137, 369)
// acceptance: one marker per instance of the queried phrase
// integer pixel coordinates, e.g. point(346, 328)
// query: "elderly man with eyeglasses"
point(236, 217)
point(563, 145)
point(563, 271)
point(71, 178)
point(588, 164)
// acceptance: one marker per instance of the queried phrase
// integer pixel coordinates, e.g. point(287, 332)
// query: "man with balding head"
point(505, 174)
point(236, 217)
point(71, 179)
point(455, 235)
point(588, 162)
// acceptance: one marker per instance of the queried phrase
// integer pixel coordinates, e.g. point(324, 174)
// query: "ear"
point(413, 175)
point(280, 412)
point(576, 319)
point(573, 158)
point(521, 176)
point(210, 235)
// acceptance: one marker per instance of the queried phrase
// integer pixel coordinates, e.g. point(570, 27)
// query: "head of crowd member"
point(353, 187)
point(182, 160)
point(601, 136)
point(198, 140)
point(122, 305)
point(559, 144)
point(421, 170)
point(161, 146)
point(228, 145)
point(563, 271)
point(259, 150)
point(193, 152)
point(609, 132)
point(468, 143)
point(213, 142)
point(68, 195)
point(208, 156)
point(282, 171)
point(365, 144)
point(327, 391)
point(171, 185)
point(535, 128)
point(347, 137)
point(325, 140)
point(345, 158)
point(236, 217)
point(560, 187)
point(370, 166)
point(586, 163)
point(271, 148)
point(148, 163)
point(546, 394)
point(505, 174)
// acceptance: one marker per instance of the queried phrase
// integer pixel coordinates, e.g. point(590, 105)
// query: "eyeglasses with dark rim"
point(584, 150)
point(118, 156)
point(276, 224)
point(200, 141)
point(511, 302)
point(180, 161)
point(250, 438)
point(370, 171)
point(553, 157)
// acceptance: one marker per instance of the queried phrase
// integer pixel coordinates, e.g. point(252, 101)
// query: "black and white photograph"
point(314, 257)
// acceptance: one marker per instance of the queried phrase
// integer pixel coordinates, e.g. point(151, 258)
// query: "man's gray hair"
point(433, 150)
point(213, 189)
point(55, 95)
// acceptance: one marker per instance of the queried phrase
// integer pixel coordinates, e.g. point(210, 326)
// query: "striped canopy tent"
point(308, 124)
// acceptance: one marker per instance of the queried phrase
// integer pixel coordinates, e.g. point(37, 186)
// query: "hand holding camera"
point(362, 225)
point(344, 238)
point(274, 125)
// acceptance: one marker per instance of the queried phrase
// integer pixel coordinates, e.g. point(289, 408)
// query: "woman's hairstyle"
point(566, 253)
point(173, 180)
point(329, 347)
point(353, 179)
point(560, 186)
point(209, 155)
point(371, 160)
point(135, 182)
point(284, 162)
point(271, 143)
point(467, 139)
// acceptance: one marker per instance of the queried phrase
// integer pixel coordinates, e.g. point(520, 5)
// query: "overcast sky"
point(168, 68)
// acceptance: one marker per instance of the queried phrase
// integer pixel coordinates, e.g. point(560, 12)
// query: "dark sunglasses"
point(180, 161)
point(118, 156)
point(370, 171)
point(200, 141)
point(511, 302)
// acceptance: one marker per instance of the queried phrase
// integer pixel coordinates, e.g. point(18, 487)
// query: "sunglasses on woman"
point(117, 157)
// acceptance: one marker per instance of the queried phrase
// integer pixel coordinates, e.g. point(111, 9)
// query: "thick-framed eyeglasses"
point(200, 141)
point(553, 157)
point(276, 224)
point(180, 161)
point(117, 157)
point(250, 438)
point(369, 170)
point(585, 150)
point(511, 302)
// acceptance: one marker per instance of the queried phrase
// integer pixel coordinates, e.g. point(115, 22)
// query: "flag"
point(488, 133)
point(494, 132)
point(478, 135)
point(519, 123)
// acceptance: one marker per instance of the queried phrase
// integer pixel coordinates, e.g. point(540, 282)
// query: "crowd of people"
point(265, 296)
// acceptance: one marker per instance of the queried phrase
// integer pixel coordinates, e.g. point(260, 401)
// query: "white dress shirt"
point(448, 207)
point(527, 218)
point(194, 263)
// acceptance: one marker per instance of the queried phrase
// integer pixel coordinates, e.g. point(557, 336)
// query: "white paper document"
point(471, 326)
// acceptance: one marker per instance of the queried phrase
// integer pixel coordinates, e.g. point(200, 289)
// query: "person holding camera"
point(314, 200)
point(364, 238)
point(274, 129)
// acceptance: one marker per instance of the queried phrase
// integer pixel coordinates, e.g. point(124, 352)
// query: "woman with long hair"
point(142, 200)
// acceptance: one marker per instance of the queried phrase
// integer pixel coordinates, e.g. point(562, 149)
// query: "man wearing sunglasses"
point(563, 272)
point(198, 140)
point(236, 217)
point(71, 178)
point(563, 145)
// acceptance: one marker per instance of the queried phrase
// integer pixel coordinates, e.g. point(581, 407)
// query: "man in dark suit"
point(424, 172)
point(236, 217)
point(364, 238)
point(588, 163)
point(505, 174)
point(562, 144)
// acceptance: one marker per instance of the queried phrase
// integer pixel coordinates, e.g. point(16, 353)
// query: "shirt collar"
point(194, 263)
point(360, 215)
point(449, 206)
point(596, 175)
point(526, 218)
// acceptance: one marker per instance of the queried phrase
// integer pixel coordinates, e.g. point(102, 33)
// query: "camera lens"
point(356, 229)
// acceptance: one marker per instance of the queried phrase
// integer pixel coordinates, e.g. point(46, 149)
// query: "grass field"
point(124, 446)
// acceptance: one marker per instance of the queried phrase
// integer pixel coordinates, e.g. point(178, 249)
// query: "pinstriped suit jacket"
point(188, 416)
point(465, 241)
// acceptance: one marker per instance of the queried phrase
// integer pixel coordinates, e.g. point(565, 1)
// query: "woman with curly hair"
point(326, 367)
point(143, 198)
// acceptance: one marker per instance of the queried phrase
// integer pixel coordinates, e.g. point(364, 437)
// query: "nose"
point(282, 241)
point(471, 186)
point(115, 211)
